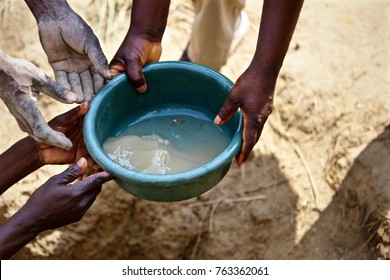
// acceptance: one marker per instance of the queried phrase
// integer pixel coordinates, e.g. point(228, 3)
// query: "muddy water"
point(166, 141)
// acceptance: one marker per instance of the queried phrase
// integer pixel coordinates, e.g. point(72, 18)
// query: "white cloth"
point(213, 31)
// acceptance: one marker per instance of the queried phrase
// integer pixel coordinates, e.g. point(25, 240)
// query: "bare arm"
point(254, 90)
point(18, 161)
point(56, 203)
point(278, 21)
point(27, 155)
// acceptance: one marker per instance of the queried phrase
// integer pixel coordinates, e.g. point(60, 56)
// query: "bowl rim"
point(120, 172)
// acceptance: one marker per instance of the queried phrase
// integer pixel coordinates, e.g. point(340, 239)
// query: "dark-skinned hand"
point(253, 94)
point(58, 202)
point(70, 124)
point(132, 55)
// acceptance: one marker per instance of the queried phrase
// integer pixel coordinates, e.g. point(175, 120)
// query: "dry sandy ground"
point(317, 185)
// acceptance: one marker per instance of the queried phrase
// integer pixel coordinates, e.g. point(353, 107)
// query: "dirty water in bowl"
point(166, 141)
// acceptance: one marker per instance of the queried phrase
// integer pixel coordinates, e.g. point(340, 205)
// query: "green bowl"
point(182, 84)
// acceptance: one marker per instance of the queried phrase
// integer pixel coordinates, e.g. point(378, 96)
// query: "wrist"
point(263, 71)
point(149, 19)
point(18, 161)
point(30, 148)
point(44, 9)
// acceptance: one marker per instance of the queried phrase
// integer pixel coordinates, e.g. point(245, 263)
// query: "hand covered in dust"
point(20, 84)
point(72, 48)
point(253, 94)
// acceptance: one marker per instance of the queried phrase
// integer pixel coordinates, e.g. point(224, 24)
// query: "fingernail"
point(84, 107)
point(141, 89)
point(82, 162)
point(66, 144)
point(72, 97)
point(110, 74)
point(218, 120)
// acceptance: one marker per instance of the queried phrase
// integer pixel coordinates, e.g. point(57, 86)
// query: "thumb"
point(136, 77)
point(133, 72)
point(98, 59)
point(70, 117)
point(227, 110)
point(72, 172)
point(95, 181)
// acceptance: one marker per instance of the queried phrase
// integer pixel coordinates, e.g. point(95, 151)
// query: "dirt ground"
point(317, 185)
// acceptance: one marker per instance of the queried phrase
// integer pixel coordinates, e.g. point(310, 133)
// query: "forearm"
point(14, 234)
point(278, 21)
point(149, 18)
point(18, 161)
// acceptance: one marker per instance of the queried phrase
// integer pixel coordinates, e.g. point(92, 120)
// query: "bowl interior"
point(170, 85)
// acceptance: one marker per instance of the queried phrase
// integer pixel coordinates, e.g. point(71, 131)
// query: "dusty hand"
point(254, 95)
point(20, 84)
point(73, 51)
point(132, 55)
point(58, 202)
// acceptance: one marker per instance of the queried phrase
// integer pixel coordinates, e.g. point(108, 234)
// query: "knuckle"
point(73, 171)
point(137, 81)
point(94, 48)
point(260, 119)
point(42, 131)
point(39, 131)
point(21, 94)
point(223, 112)
point(53, 180)
point(97, 182)
point(268, 109)
point(250, 143)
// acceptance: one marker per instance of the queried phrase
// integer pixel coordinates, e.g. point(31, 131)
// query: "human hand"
point(20, 84)
point(73, 50)
point(58, 202)
point(253, 94)
point(132, 55)
point(70, 124)
point(142, 43)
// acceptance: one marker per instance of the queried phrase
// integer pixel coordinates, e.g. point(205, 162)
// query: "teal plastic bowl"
point(170, 84)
